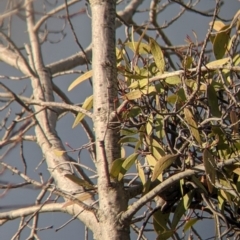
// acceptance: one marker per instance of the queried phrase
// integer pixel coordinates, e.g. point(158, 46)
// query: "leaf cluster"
point(179, 122)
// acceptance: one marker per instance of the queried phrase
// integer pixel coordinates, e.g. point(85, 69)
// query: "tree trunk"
point(112, 197)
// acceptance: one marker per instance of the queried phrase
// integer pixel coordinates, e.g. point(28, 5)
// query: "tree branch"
point(51, 13)
point(48, 104)
point(23, 212)
point(127, 215)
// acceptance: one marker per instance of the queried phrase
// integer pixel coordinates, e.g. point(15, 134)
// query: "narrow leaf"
point(181, 208)
point(155, 148)
point(127, 139)
point(80, 79)
point(157, 55)
point(128, 131)
point(139, 41)
point(139, 84)
point(128, 162)
point(165, 235)
point(173, 80)
point(79, 181)
point(210, 168)
point(116, 167)
point(192, 124)
point(189, 224)
point(149, 125)
point(213, 101)
point(151, 160)
point(133, 95)
point(149, 90)
point(199, 184)
point(162, 164)
point(219, 62)
point(143, 47)
point(140, 171)
point(88, 104)
point(160, 221)
point(221, 42)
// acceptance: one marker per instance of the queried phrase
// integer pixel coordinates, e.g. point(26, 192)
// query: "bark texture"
point(112, 198)
point(47, 137)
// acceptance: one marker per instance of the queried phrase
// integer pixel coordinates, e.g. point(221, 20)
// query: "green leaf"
point(173, 80)
point(218, 25)
point(143, 47)
point(155, 148)
point(121, 54)
point(221, 42)
point(187, 62)
point(213, 101)
point(133, 95)
point(210, 168)
point(139, 41)
point(151, 160)
point(88, 104)
point(192, 124)
point(128, 162)
point(219, 62)
point(189, 224)
point(149, 90)
point(179, 97)
point(149, 125)
point(139, 84)
point(80, 79)
point(79, 181)
point(173, 98)
point(128, 131)
point(134, 112)
point(226, 196)
point(236, 60)
point(162, 164)
point(157, 55)
point(118, 54)
point(160, 221)
point(141, 173)
point(127, 139)
point(221, 202)
point(199, 184)
point(181, 208)
point(116, 167)
point(165, 235)
point(136, 76)
point(160, 133)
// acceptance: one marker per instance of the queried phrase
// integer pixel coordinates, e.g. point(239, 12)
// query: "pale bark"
point(112, 198)
point(47, 137)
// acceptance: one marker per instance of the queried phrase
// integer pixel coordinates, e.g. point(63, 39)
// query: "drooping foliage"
point(173, 121)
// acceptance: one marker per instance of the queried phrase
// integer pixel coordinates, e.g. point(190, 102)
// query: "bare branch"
point(23, 212)
point(51, 13)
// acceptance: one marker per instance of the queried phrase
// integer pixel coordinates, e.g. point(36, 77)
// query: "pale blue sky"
point(54, 52)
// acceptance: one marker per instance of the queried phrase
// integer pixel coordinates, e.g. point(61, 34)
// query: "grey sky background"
point(76, 137)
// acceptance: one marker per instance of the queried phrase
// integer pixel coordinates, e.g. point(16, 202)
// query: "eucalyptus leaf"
point(128, 162)
point(79, 181)
point(157, 55)
point(87, 105)
point(210, 168)
point(162, 164)
point(192, 124)
point(80, 79)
